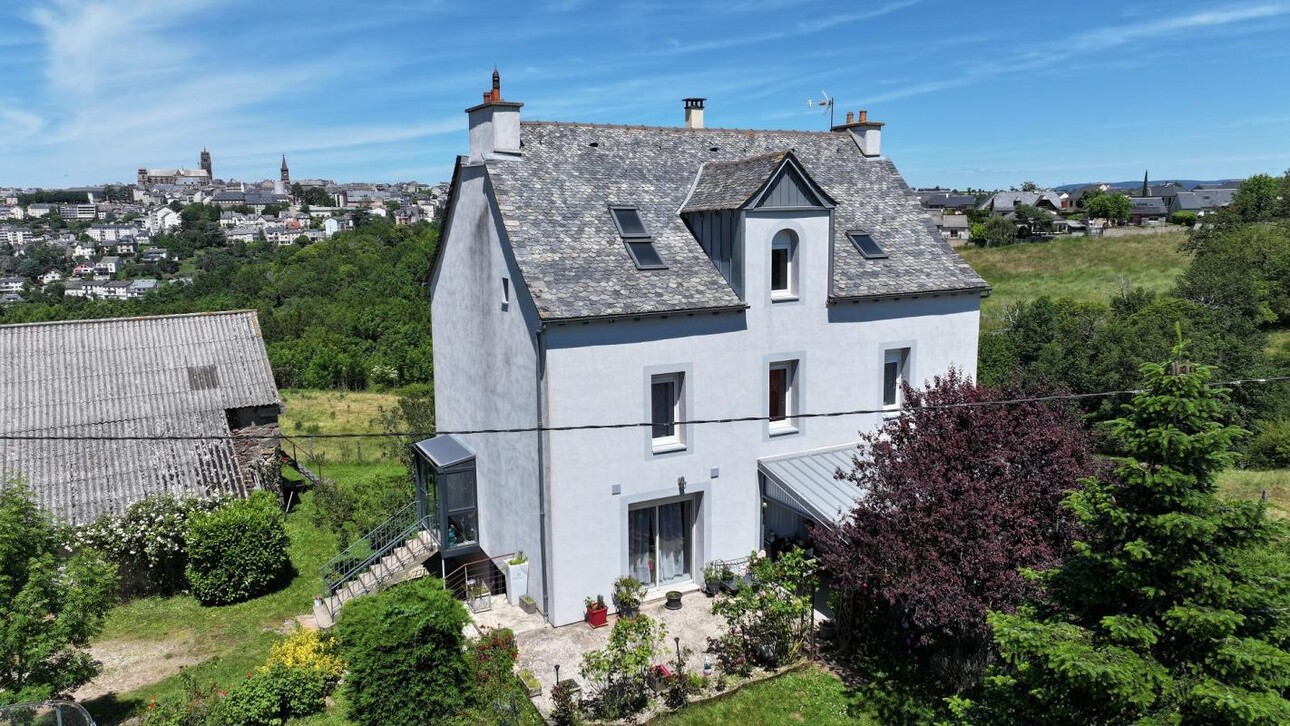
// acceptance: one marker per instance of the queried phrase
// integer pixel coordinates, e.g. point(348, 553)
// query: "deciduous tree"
point(958, 495)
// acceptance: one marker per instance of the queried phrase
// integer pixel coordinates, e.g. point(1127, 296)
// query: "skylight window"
point(629, 222)
point(640, 245)
point(644, 254)
point(867, 246)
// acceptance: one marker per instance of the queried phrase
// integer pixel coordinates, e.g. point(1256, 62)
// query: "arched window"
point(783, 265)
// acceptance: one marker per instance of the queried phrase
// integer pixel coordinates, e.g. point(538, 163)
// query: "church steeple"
point(286, 175)
point(1146, 188)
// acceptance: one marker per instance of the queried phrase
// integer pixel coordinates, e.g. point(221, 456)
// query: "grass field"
point(1085, 268)
point(1238, 483)
point(333, 412)
point(808, 696)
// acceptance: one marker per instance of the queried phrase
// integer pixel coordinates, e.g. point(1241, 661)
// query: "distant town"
point(120, 242)
point(117, 242)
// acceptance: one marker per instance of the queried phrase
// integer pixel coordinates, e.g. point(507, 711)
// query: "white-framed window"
point(895, 371)
point(659, 546)
point(783, 265)
point(781, 405)
point(506, 291)
point(667, 411)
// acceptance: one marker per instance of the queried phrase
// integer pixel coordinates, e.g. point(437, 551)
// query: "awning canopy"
point(808, 483)
point(444, 451)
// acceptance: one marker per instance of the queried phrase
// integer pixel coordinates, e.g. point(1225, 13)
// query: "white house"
point(163, 219)
point(654, 276)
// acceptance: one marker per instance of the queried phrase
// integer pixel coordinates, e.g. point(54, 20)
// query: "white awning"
point(808, 483)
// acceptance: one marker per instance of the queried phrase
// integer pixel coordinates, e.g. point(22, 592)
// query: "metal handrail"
point(461, 574)
point(46, 713)
point(376, 544)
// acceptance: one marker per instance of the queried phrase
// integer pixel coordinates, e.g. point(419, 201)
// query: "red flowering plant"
point(494, 656)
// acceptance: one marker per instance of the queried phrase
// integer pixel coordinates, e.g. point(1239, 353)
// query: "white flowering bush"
point(147, 542)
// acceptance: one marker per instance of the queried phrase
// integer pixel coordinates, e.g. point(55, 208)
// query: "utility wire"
point(627, 425)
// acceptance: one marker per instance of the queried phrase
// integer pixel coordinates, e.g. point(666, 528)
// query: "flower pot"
point(673, 600)
point(528, 604)
point(597, 617)
point(517, 582)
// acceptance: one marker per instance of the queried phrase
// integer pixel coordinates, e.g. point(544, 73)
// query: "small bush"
point(619, 673)
point(1184, 218)
point(147, 542)
point(270, 695)
point(406, 641)
point(1270, 446)
point(308, 649)
point(238, 551)
point(565, 710)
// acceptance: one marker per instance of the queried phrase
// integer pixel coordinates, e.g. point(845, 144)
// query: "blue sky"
point(972, 93)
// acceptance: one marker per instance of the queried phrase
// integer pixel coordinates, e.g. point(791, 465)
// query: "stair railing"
point(360, 555)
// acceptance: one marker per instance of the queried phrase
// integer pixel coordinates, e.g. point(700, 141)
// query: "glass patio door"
point(658, 543)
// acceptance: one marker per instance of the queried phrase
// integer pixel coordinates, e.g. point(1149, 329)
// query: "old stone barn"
point(126, 408)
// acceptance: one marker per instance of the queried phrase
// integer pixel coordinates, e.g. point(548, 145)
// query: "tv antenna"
point(825, 103)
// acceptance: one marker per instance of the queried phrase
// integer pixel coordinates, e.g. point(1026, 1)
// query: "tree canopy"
point(50, 605)
point(957, 499)
point(1107, 205)
point(1173, 606)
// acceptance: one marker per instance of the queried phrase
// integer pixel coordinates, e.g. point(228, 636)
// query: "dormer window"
point(867, 245)
point(640, 245)
point(783, 266)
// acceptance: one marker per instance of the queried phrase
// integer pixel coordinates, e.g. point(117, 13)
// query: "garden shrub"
point(1269, 448)
point(405, 653)
point(147, 542)
point(769, 621)
point(270, 695)
point(565, 710)
point(308, 649)
point(238, 551)
point(619, 673)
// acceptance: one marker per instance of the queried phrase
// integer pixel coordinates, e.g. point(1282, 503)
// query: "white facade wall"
point(600, 373)
point(486, 372)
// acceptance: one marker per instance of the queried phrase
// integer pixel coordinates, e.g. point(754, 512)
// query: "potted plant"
point(478, 595)
point(727, 577)
point(711, 579)
point(597, 613)
point(628, 593)
point(673, 600)
point(517, 577)
point(528, 603)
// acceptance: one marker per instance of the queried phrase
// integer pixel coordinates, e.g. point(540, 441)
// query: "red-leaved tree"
point(958, 500)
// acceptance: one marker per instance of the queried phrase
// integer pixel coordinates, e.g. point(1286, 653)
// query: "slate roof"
point(127, 377)
point(730, 184)
point(554, 204)
point(1203, 199)
point(1149, 206)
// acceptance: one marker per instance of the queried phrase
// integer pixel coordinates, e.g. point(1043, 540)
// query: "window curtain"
point(640, 544)
point(673, 562)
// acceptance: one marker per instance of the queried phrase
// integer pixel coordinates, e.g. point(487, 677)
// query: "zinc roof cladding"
point(126, 377)
point(554, 202)
point(730, 184)
point(811, 483)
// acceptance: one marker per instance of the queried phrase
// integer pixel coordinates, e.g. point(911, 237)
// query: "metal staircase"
point(391, 553)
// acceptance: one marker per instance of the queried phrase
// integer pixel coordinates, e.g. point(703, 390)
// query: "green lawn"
point(1085, 268)
point(807, 696)
point(330, 412)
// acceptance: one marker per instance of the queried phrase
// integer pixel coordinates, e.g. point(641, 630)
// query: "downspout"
point(542, 478)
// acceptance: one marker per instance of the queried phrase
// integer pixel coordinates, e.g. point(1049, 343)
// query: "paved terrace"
point(543, 647)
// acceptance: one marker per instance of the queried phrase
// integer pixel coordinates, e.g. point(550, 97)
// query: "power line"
point(626, 425)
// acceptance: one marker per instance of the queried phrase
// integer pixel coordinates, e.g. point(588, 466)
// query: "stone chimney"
point(494, 125)
point(694, 113)
point(868, 134)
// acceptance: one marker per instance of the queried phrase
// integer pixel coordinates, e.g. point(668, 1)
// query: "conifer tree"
point(1174, 606)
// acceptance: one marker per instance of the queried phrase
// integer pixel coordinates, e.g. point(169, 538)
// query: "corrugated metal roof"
point(810, 481)
point(127, 377)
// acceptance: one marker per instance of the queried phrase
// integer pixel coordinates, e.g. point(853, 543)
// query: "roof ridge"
point(776, 155)
point(679, 129)
point(126, 319)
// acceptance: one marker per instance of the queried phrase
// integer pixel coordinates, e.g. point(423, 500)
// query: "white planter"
point(517, 582)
